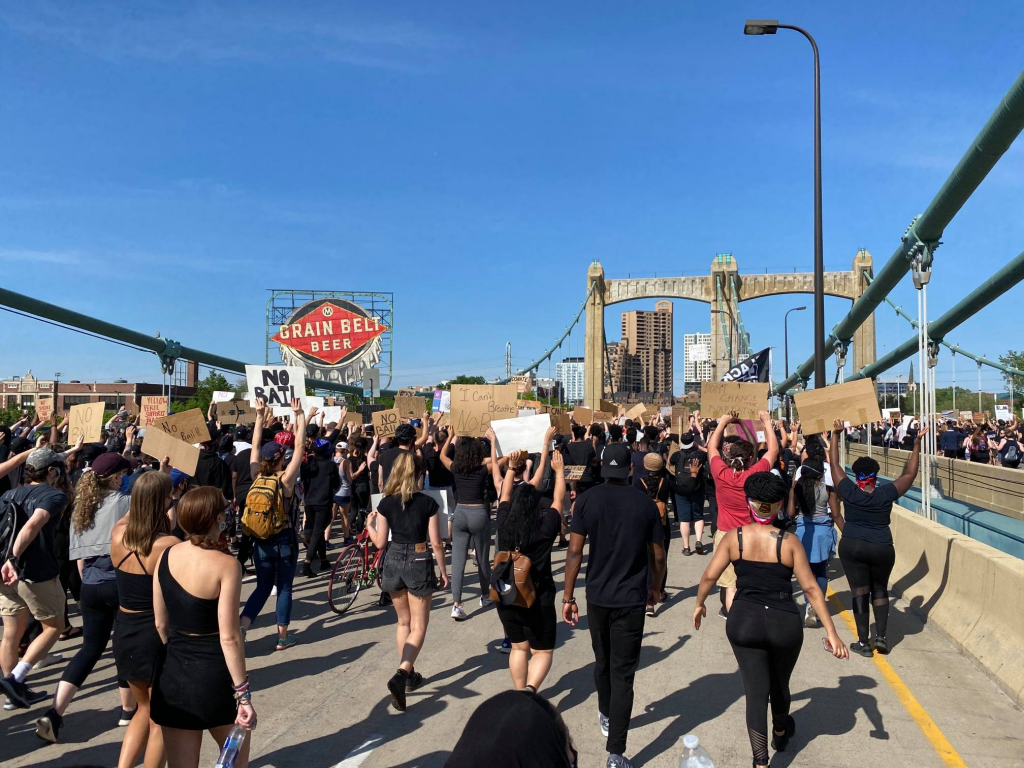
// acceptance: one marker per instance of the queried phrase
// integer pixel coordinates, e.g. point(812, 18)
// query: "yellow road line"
point(924, 721)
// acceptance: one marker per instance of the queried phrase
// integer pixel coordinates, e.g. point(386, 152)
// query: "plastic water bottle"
point(232, 746)
point(694, 755)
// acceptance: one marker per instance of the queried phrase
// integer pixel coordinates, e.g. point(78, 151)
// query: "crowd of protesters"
point(155, 559)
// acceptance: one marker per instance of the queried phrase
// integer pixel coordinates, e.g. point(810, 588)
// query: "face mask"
point(763, 512)
point(125, 484)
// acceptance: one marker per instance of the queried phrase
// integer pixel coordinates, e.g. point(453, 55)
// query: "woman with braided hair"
point(200, 683)
point(764, 625)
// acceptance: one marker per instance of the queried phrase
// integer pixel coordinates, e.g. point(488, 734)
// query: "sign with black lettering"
point(386, 422)
point(277, 384)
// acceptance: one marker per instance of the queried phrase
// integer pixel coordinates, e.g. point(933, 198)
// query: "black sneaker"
point(414, 681)
point(20, 694)
point(862, 648)
point(48, 726)
point(305, 570)
point(687, 552)
point(779, 742)
point(127, 714)
point(881, 645)
point(325, 565)
point(396, 686)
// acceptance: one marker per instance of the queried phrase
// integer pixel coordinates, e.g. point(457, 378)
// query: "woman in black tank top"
point(764, 625)
point(200, 683)
point(136, 543)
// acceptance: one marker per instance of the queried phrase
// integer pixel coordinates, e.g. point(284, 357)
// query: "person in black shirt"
point(626, 539)
point(527, 524)
point(866, 549)
point(411, 517)
point(324, 480)
point(580, 453)
point(357, 467)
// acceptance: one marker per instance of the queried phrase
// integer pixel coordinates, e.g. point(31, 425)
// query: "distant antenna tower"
point(508, 359)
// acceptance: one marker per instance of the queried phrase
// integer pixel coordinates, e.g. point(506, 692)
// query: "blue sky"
point(163, 164)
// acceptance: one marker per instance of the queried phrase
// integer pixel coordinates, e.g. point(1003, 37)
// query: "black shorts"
point(407, 569)
point(535, 625)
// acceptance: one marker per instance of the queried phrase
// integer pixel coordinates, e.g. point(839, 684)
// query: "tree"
point(215, 382)
point(460, 379)
point(1014, 384)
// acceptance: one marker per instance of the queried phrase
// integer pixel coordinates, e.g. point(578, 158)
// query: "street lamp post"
point(732, 333)
point(785, 336)
point(770, 27)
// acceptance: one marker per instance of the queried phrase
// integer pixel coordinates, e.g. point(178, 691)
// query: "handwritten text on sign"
point(87, 421)
point(276, 384)
point(719, 397)
point(475, 407)
point(153, 407)
point(187, 426)
point(386, 422)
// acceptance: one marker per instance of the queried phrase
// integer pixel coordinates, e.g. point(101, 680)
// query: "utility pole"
point(508, 360)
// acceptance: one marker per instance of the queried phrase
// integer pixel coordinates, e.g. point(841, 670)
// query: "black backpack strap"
point(739, 538)
point(778, 546)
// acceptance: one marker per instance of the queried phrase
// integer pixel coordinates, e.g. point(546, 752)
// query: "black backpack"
point(684, 484)
point(12, 519)
point(1011, 454)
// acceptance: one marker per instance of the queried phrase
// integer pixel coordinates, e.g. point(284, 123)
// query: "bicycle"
point(358, 565)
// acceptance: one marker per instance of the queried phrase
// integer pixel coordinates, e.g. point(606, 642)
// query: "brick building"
point(25, 390)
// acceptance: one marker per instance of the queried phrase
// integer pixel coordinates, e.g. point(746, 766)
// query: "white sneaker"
point(49, 660)
point(810, 618)
point(274, 590)
point(603, 722)
point(485, 601)
point(458, 613)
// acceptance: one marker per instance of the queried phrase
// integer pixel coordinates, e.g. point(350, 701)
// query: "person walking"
point(99, 505)
point(324, 481)
point(136, 543)
point(866, 549)
point(688, 464)
point(411, 518)
point(270, 505)
point(764, 622)
point(200, 683)
point(624, 565)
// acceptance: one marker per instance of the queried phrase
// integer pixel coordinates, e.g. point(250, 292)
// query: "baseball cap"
point(343, 445)
point(286, 439)
point(177, 476)
point(41, 458)
point(271, 451)
point(109, 463)
point(615, 462)
point(686, 438)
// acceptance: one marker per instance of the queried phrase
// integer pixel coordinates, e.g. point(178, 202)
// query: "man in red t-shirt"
point(730, 468)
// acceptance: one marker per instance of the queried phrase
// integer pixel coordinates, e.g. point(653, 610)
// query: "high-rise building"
point(569, 373)
point(696, 360)
point(642, 361)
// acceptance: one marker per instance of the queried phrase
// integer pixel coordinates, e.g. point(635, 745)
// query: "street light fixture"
point(785, 336)
point(732, 332)
point(770, 27)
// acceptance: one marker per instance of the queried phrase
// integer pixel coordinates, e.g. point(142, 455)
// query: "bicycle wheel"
point(347, 578)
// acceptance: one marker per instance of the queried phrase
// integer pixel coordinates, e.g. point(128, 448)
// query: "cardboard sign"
point(153, 408)
point(131, 406)
point(223, 397)
point(187, 426)
point(746, 429)
point(236, 412)
point(967, 415)
point(406, 392)
point(636, 412)
point(574, 472)
point(604, 416)
point(749, 399)
point(474, 408)
point(386, 422)
point(979, 417)
point(410, 407)
point(353, 419)
point(562, 422)
point(680, 419)
point(158, 444)
point(535, 404)
point(521, 383)
point(608, 407)
point(523, 434)
point(443, 420)
point(583, 416)
point(855, 402)
point(665, 411)
point(86, 420)
point(277, 384)
point(44, 408)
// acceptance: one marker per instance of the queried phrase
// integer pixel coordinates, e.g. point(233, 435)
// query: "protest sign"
point(223, 397)
point(44, 408)
point(277, 384)
point(158, 444)
point(442, 401)
point(574, 472)
point(680, 419)
point(523, 434)
point(236, 412)
point(410, 407)
point(386, 422)
point(474, 408)
point(187, 426)
point(636, 412)
point(600, 416)
point(1003, 413)
point(855, 402)
point(673, 449)
point(521, 383)
point(966, 415)
point(562, 422)
point(746, 429)
point(535, 404)
point(442, 420)
point(583, 416)
point(87, 421)
point(748, 399)
point(665, 410)
point(332, 414)
point(979, 417)
point(406, 392)
point(894, 415)
point(608, 407)
point(354, 419)
point(527, 412)
point(152, 408)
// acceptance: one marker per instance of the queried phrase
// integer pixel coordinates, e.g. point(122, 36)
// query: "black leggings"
point(767, 643)
point(357, 510)
point(98, 603)
point(320, 516)
point(868, 567)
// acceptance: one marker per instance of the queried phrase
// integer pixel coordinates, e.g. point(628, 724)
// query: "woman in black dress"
point(136, 543)
point(200, 683)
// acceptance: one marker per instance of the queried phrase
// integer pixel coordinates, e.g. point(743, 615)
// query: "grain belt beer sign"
point(333, 339)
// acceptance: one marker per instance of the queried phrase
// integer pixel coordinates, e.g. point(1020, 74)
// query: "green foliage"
point(215, 382)
point(1014, 384)
point(966, 400)
point(12, 413)
point(460, 379)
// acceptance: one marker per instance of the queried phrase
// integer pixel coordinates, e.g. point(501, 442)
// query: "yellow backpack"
point(264, 514)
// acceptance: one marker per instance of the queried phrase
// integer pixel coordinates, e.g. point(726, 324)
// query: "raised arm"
point(538, 475)
point(558, 472)
point(906, 480)
point(715, 442)
point(838, 470)
point(506, 484)
point(291, 473)
point(422, 439)
point(771, 440)
point(495, 464)
point(257, 437)
point(444, 450)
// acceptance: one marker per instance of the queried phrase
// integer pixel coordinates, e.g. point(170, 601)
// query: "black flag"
point(754, 368)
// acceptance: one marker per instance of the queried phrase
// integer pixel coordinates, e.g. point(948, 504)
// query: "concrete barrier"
point(972, 591)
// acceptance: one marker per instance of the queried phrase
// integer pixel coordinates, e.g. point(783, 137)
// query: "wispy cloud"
point(185, 33)
point(40, 257)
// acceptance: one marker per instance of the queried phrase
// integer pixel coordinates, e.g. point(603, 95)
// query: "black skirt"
point(192, 689)
point(137, 646)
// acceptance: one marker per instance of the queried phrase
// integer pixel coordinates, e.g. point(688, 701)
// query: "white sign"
point(332, 413)
point(698, 353)
point(277, 384)
point(442, 401)
point(523, 434)
point(1003, 413)
point(223, 397)
point(527, 412)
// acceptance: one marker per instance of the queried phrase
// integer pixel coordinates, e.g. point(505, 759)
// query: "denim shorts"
point(405, 568)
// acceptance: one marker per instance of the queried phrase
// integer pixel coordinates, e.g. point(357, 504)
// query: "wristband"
point(570, 601)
